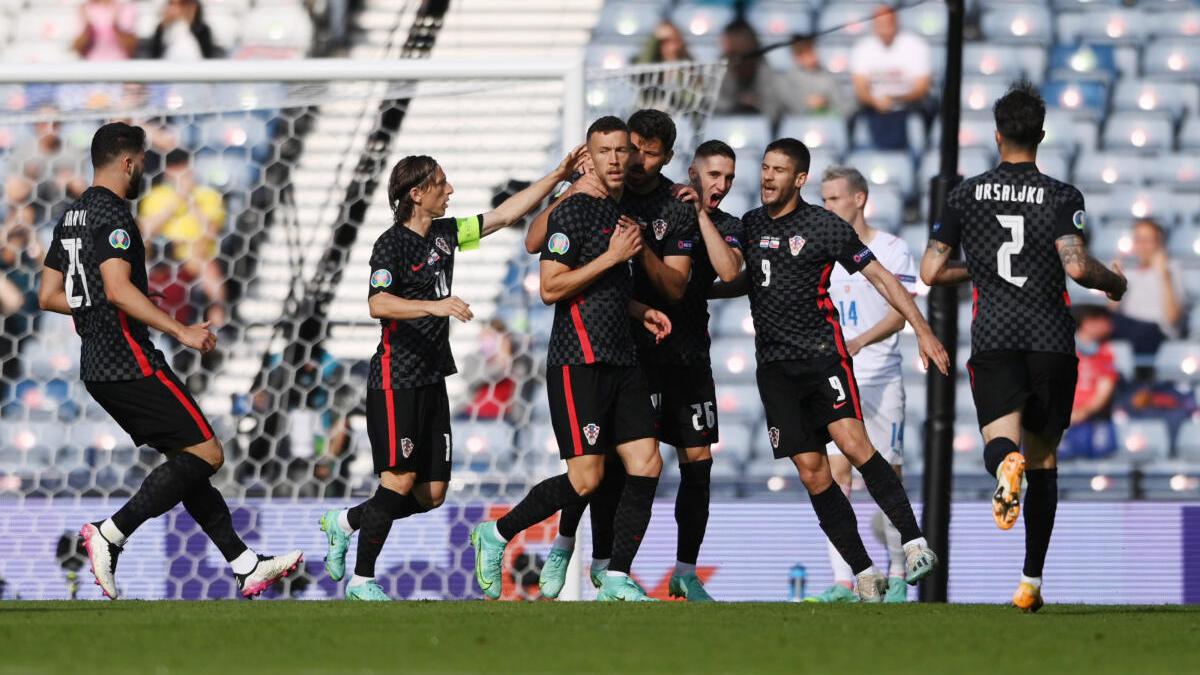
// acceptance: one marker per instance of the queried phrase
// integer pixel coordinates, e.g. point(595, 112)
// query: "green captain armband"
point(469, 231)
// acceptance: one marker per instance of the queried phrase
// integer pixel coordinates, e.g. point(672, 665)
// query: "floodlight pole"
point(943, 318)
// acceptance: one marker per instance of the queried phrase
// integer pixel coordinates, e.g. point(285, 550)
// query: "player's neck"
point(419, 222)
point(1016, 156)
point(864, 231)
point(646, 189)
point(775, 211)
point(114, 184)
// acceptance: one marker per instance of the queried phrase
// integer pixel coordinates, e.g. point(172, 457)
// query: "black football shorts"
point(686, 402)
point(409, 428)
point(594, 408)
point(802, 398)
point(157, 411)
point(1039, 384)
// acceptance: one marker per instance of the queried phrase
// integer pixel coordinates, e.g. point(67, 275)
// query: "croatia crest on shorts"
point(441, 243)
point(381, 279)
point(660, 229)
point(773, 434)
point(406, 447)
point(795, 244)
point(592, 432)
point(119, 239)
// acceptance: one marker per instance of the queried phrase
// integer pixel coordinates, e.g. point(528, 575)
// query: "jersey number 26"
point(72, 248)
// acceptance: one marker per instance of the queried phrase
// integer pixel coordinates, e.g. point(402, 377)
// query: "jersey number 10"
point(72, 248)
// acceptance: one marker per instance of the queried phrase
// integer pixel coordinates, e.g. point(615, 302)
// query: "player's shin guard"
point(1041, 503)
point(543, 500)
point(839, 523)
point(888, 492)
point(163, 488)
point(631, 521)
point(603, 507)
point(208, 508)
point(691, 508)
point(378, 512)
point(568, 520)
point(995, 452)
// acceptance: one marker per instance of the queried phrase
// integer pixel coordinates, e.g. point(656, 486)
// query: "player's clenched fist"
point(453, 306)
point(198, 337)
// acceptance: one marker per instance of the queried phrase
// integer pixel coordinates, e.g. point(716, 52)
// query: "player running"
point(1020, 230)
point(408, 411)
point(870, 326)
point(95, 270)
point(599, 398)
point(804, 373)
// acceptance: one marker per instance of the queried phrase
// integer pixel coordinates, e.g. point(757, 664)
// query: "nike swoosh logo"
point(417, 268)
point(839, 405)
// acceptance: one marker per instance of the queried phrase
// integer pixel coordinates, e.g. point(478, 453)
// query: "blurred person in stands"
point(808, 88)
point(1091, 434)
point(55, 169)
point(20, 261)
point(1152, 309)
point(749, 86)
point(496, 370)
point(892, 73)
point(189, 216)
point(182, 35)
point(109, 30)
point(666, 45)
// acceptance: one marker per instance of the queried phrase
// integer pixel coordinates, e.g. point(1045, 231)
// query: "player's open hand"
point(453, 306)
point(626, 240)
point(688, 195)
point(198, 337)
point(1116, 295)
point(574, 161)
point(657, 323)
point(589, 184)
point(932, 350)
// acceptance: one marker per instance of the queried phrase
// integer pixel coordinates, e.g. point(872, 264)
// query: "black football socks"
point(568, 519)
point(604, 509)
point(543, 501)
point(1041, 503)
point(691, 509)
point(632, 519)
point(839, 523)
point(208, 508)
point(888, 492)
point(994, 453)
point(376, 517)
point(163, 488)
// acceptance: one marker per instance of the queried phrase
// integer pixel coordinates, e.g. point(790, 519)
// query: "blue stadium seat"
point(740, 131)
point(834, 54)
point(733, 360)
point(885, 208)
point(972, 161)
point(611, 55)
point(1085, 61)
point(847, 20)
point(1189, 133)
point(1187, 441)
point(884, 167)
point(1141, 441)
point(1067, 132)
point(1149, 94)
point(628, 19)
point(739, 403)
point(1105, 25)
point(817, 131)
point(1178, 360)
point(930, 20)
point(1007, 61)
point(1174, 170)
point(1086, 98)
point(1017, 23)
point(1146, 131)
point(537, 452)
point(1175, 57)
point(1054, 162)
point(733, 446)
point(1123, 360)
point(980, 93)
point(1178, 20)
point(1124, 204)
point(483, 445)
point(779, 21)
point(1107, 241)
point(702, 20)
point(1102, 169)
point(731, 318)
point(1184, 244)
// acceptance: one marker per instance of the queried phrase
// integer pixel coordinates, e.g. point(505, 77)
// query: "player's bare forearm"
point(1086, 270)
point(896, 294)
point(394, 307)
point(637, 310)
point(669, 278)
point(52, 293)
point(886, 327)
point(517, 206)
point(937, 269)
point(127, 298)
point(731, 289)
point(535, 236)
point(725, 259)
point(560, 282)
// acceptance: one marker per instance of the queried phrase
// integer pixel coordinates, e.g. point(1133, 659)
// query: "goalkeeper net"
point(265, 193)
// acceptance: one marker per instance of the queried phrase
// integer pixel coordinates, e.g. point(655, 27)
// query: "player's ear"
point(999, 139)
point(860, 199)
point(801, 179)
point(693, 175)
point(670, 156)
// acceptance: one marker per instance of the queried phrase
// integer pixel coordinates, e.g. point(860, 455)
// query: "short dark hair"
point(414, 171)
point(715, 148)
point(114, 139)
point(1020, 114)
point(607, 125)
point(176, 157)
point(794, 149)
point(1084, 312)
point(656, 124)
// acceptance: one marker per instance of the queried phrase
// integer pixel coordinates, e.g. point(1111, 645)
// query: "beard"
point(134, 190)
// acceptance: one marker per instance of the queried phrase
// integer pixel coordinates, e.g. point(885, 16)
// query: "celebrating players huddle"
point(629, 260)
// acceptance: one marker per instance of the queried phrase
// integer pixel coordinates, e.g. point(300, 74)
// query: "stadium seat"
point(1123, 360)
point(1178, 20)
point(817, 131)
point(980, 93)
point(1066, 131)
point(1184, 244)
point(1178, 360)
point(611, 55)
point(846, 20)
point(834, 55)
point(1083, 62)
point(628, 19)
point(1107, 25)
point(1176, 57)
point(1123, 204)
point(972, 161)
point(884, 167)
point(702, 20)
point(739, 403)
point(740, 131)
point(1148, 95)
point(1017, 23)
point(1054, 162)
point(779, 21)
point(285, 27)
point(225, 24)
point(1082, 98)
point(1174, 170)
point(48, 26)
point(930, 20)
point(733, 446)
point(885, 208)
point(1189, 133)
point(1102, 169)
point(738, 202)
point(733, 360)
point(1007, 61)
point(1140, 441)
point(1187, 442)
point(1146, 131)
point(483, 446)
point(731, 318)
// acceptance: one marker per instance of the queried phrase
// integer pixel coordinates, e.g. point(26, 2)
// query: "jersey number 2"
point(1016, 224)
point(72, 248)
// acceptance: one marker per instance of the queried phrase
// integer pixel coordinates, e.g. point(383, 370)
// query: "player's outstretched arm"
point(587, 183)
point(937, 269)
point(52, 292)
point(560, 281)
point(1086, 270)
point(517, 206)
point(652, 320)
point(739, 286)
point(394, 307)
point(122, 294)
point(899, 298)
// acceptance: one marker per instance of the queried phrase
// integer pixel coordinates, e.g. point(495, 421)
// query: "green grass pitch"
point(222, 638)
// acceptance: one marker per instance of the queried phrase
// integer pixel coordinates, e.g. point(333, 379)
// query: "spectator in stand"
point(1152, 309)
point(493, 387)
point(749, 86)
point(182, 34)
point(109, 30)
point(55, 170)
point(20, 264)
point(892, 73)
point(189, 217)
point(809, 89)
point(1091, 435)
point(666, 45)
